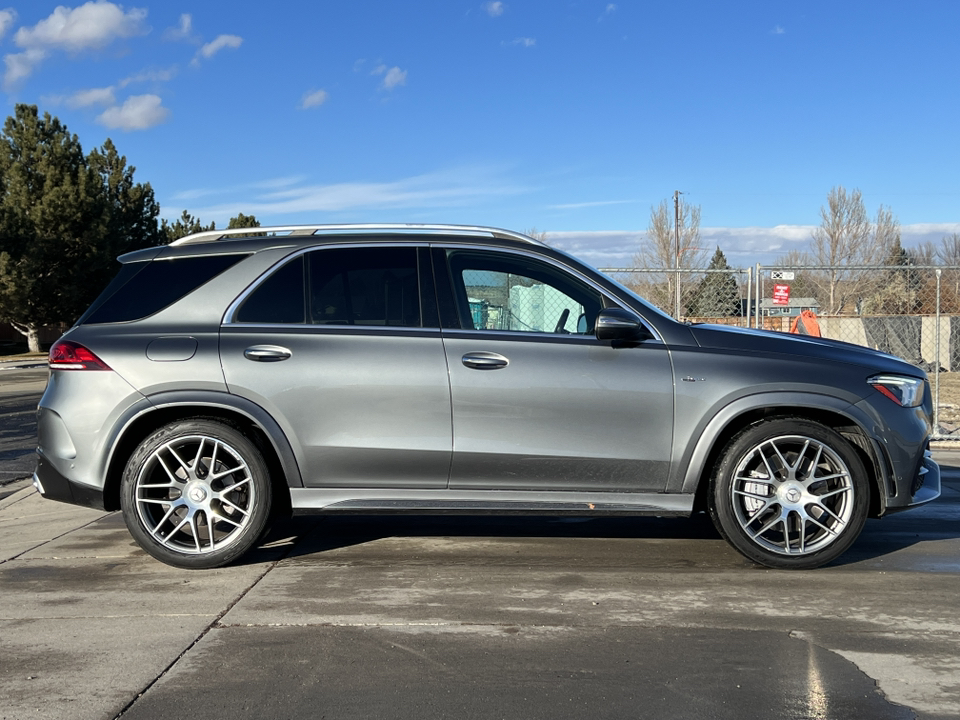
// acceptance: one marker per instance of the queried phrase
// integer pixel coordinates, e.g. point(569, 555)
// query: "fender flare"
point(695, 458)
point(223, 401)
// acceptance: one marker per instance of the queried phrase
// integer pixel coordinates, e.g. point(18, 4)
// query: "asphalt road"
point(472, 618)
point(19, 392)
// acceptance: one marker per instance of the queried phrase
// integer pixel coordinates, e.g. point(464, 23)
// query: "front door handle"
point(484, 360)
point(266, 353)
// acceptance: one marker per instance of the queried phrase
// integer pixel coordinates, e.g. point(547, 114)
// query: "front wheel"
point(789, 493)
point(196, 494)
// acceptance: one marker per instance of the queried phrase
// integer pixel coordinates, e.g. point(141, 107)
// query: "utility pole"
point(676, 230)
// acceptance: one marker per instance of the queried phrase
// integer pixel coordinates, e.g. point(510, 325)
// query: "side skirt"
point(306, 501)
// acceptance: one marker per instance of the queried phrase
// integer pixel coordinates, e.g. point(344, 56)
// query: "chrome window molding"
point(331, 329)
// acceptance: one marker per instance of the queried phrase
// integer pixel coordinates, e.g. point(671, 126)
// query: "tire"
point(789, 493)
point(196, 494)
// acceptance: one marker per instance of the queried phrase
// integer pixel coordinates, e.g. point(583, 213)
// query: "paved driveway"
point(476, 618)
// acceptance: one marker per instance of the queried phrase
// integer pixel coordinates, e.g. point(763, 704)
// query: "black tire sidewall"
point(260, 477)
point(721, 505)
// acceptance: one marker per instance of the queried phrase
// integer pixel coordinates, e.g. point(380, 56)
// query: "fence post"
point(676, 304)
point(749, 293)
point(756, 308)
point(936, 366)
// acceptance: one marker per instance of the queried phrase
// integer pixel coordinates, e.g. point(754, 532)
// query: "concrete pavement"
point(444, 617)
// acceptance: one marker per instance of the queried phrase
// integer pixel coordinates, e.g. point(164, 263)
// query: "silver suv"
point(238, 375)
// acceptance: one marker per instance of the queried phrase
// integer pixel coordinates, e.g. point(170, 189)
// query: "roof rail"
point(399, 229)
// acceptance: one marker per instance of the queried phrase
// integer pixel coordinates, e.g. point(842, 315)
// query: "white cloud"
point(157, 76)
point(743, 246)
point(313, 98)
point(595, 203)
point(494, 9)
point(221, 42)
point(778, 31)
point(610, 9)
point(7, 18)
point(270, 184)
point(138, 112)
point(524, 41)
point(92, 26)
point(20, 66)
point(93, 96)
point(394, 77)
point(183, 31)
point(459, 187)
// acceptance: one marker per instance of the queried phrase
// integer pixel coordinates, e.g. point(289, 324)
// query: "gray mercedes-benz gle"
point(236, 375)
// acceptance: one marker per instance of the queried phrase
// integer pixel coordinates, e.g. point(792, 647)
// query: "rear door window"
point(340, 286)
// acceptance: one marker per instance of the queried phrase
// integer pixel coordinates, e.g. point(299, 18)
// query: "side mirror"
point(619, 324)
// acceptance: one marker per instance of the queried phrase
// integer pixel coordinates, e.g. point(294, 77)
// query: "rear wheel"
point(790, 493)
point(196, 494)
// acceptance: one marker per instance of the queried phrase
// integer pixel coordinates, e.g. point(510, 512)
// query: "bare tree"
point(661, 250)
point(925, 253)
point(948, 255)
point(846, 239)
point(805, 282)
point(536, 235)
point(795, 259)
point(886, 233)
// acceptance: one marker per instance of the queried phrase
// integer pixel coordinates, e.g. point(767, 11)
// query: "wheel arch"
point(241, 414)
point(833, 413)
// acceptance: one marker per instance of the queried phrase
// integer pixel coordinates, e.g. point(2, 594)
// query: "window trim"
point(229, 316)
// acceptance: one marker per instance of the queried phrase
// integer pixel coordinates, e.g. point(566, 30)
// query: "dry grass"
point(949, 399)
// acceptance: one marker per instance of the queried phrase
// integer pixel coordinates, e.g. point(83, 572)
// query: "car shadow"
point(314, 535)
point(318, 534)
point(884, 537)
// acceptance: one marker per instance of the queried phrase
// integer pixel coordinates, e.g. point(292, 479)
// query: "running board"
point(307, 501)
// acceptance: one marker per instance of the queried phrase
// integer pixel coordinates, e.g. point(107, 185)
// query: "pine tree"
point(243, 221)
point(185, 225)
point(718, 294)
point(64, 217)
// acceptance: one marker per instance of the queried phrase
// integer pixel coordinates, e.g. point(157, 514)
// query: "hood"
point(775, 343)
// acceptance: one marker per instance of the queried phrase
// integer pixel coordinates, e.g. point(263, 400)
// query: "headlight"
point(905, 391)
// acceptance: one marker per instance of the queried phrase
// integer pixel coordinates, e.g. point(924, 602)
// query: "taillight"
point(67, 355)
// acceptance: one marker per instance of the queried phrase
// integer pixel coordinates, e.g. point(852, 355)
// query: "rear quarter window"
point(138, 292)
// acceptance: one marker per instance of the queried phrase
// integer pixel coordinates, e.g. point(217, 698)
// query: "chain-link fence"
point(911, 311)
point(507, 301)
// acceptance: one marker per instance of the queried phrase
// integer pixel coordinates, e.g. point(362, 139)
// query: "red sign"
point(781, 294)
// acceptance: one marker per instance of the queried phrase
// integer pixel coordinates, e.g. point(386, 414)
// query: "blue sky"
point(573, 117)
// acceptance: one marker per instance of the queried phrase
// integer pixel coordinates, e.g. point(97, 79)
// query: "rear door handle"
point(266, 353)
point(481, 360)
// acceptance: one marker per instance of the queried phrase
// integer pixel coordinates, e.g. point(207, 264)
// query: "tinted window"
point(364, 286)
point(505, 292)
point(158, 284)
point(278, 299)
point(344, 286)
